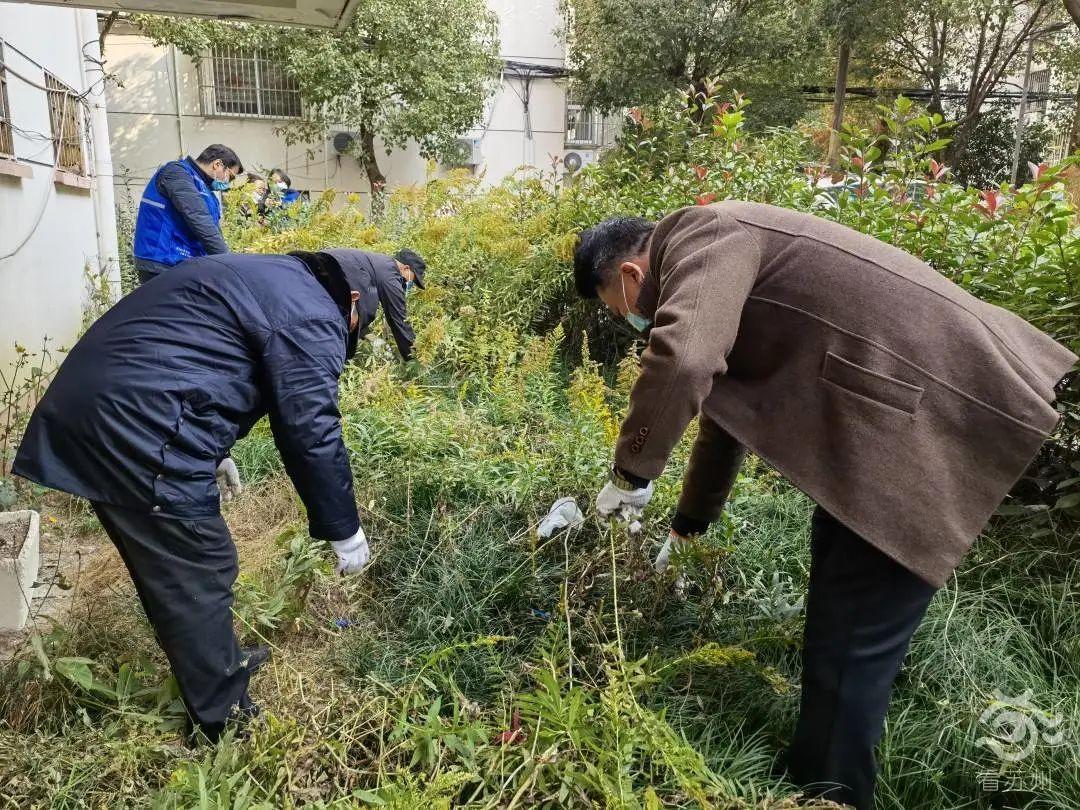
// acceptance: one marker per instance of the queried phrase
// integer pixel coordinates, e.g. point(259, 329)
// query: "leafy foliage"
point(627, 52)
point(477, 665)
point(940, 44)
point(404, 70)
point(988, 160)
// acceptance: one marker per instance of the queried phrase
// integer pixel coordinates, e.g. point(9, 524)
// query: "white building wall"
point(147, 129)
point(527, 33)
point(48, 230)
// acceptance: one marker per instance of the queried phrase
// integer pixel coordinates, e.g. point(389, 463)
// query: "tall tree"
point(972, 44)
point(1073, 9)
point(852, 22)
point(626, 52)
point(404, 70)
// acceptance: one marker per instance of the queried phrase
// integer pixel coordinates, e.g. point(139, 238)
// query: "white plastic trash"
point(564, 513)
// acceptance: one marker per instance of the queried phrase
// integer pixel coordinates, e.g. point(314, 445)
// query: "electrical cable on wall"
point(37, 223)
point(51, 140)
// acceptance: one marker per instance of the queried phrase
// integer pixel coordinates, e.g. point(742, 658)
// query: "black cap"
point(415, 262)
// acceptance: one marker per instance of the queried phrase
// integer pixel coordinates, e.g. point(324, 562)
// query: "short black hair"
point(217, 151)
point(602, 247)
point(280, 173)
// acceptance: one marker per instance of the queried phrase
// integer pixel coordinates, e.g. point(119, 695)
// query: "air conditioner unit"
point(466, 153)
point(574, 161)
point(344, 142)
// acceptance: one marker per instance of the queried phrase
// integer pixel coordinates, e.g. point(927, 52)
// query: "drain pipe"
point(102, 193)
point(175, 70)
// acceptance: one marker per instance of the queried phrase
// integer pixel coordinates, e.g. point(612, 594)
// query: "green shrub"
point(475, 665)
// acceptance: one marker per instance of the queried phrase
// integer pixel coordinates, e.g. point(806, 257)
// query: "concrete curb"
point(18, 572)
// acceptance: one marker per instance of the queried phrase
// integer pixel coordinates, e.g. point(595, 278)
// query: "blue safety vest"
point(161, 235)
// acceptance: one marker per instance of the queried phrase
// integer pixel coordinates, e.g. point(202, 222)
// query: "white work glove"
point(352, 554)
point(663, 559)
point(563, 513)
point(628, 502)
point(228, 480)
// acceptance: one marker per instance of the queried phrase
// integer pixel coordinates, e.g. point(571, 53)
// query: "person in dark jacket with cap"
point(141, 417)
point(179, 213)
point(386, 281)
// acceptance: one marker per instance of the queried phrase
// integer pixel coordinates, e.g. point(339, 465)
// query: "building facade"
point(57, 215)
point(167, 105)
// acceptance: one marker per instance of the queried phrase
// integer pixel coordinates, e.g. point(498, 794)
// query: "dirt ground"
point(12, 535)
point(78, 561)
point(71, 542)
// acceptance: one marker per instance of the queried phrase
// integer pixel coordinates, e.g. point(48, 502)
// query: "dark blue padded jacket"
point(155, 394)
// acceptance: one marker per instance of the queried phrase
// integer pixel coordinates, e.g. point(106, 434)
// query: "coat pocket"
point(871, 385)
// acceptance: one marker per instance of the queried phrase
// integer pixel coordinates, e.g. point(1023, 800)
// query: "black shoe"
point(254, 657)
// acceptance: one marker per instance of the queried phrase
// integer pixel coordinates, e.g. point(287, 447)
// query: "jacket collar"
point(205, 177)
point(649, 296)
point(328, 273)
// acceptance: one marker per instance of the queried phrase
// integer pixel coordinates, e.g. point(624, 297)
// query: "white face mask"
point(281, 186)
point(639, 322)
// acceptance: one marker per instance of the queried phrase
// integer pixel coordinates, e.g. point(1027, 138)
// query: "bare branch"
point(105, 29)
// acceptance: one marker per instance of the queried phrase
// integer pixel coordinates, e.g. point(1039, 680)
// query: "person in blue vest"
point(282, 183)
point(180, 213)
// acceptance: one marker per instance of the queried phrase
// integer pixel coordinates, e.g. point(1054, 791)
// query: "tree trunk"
point(1073, 7)
point(838, 104)
point(960, 135)
point(376, 179)
point(371, 164)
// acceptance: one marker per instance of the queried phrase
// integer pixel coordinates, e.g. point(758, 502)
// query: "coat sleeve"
point(301, 366)
point(714, 465)
point(175, 183)
point(392, 300)
point(707, 264)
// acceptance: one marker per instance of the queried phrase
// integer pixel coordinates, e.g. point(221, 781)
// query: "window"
point(1038, 82)
point(586, 127)
point(7, 145)
point(583, 125)
point(64, 124)
point(247, 83)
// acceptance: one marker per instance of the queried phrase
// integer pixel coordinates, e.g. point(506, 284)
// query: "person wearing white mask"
point(282, 186)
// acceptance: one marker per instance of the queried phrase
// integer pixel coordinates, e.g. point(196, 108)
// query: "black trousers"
point(861, 612)
point(184, 571)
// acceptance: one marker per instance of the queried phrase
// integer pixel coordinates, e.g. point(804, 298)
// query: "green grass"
point(628, 694)
point(472, 665)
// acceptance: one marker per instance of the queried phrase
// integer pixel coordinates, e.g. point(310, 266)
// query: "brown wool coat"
point(900, 403)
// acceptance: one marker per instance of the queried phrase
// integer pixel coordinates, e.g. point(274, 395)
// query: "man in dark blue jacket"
point(386, 280)
point(141, 417)
point(179, 214)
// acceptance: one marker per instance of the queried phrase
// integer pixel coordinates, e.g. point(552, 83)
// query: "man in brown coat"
point(903, 406)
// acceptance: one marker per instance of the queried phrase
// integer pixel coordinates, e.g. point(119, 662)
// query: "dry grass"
point(255, 520)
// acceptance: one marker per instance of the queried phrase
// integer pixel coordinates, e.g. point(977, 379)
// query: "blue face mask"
point(639, 322)
point(220, 185)
point(409, 285)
